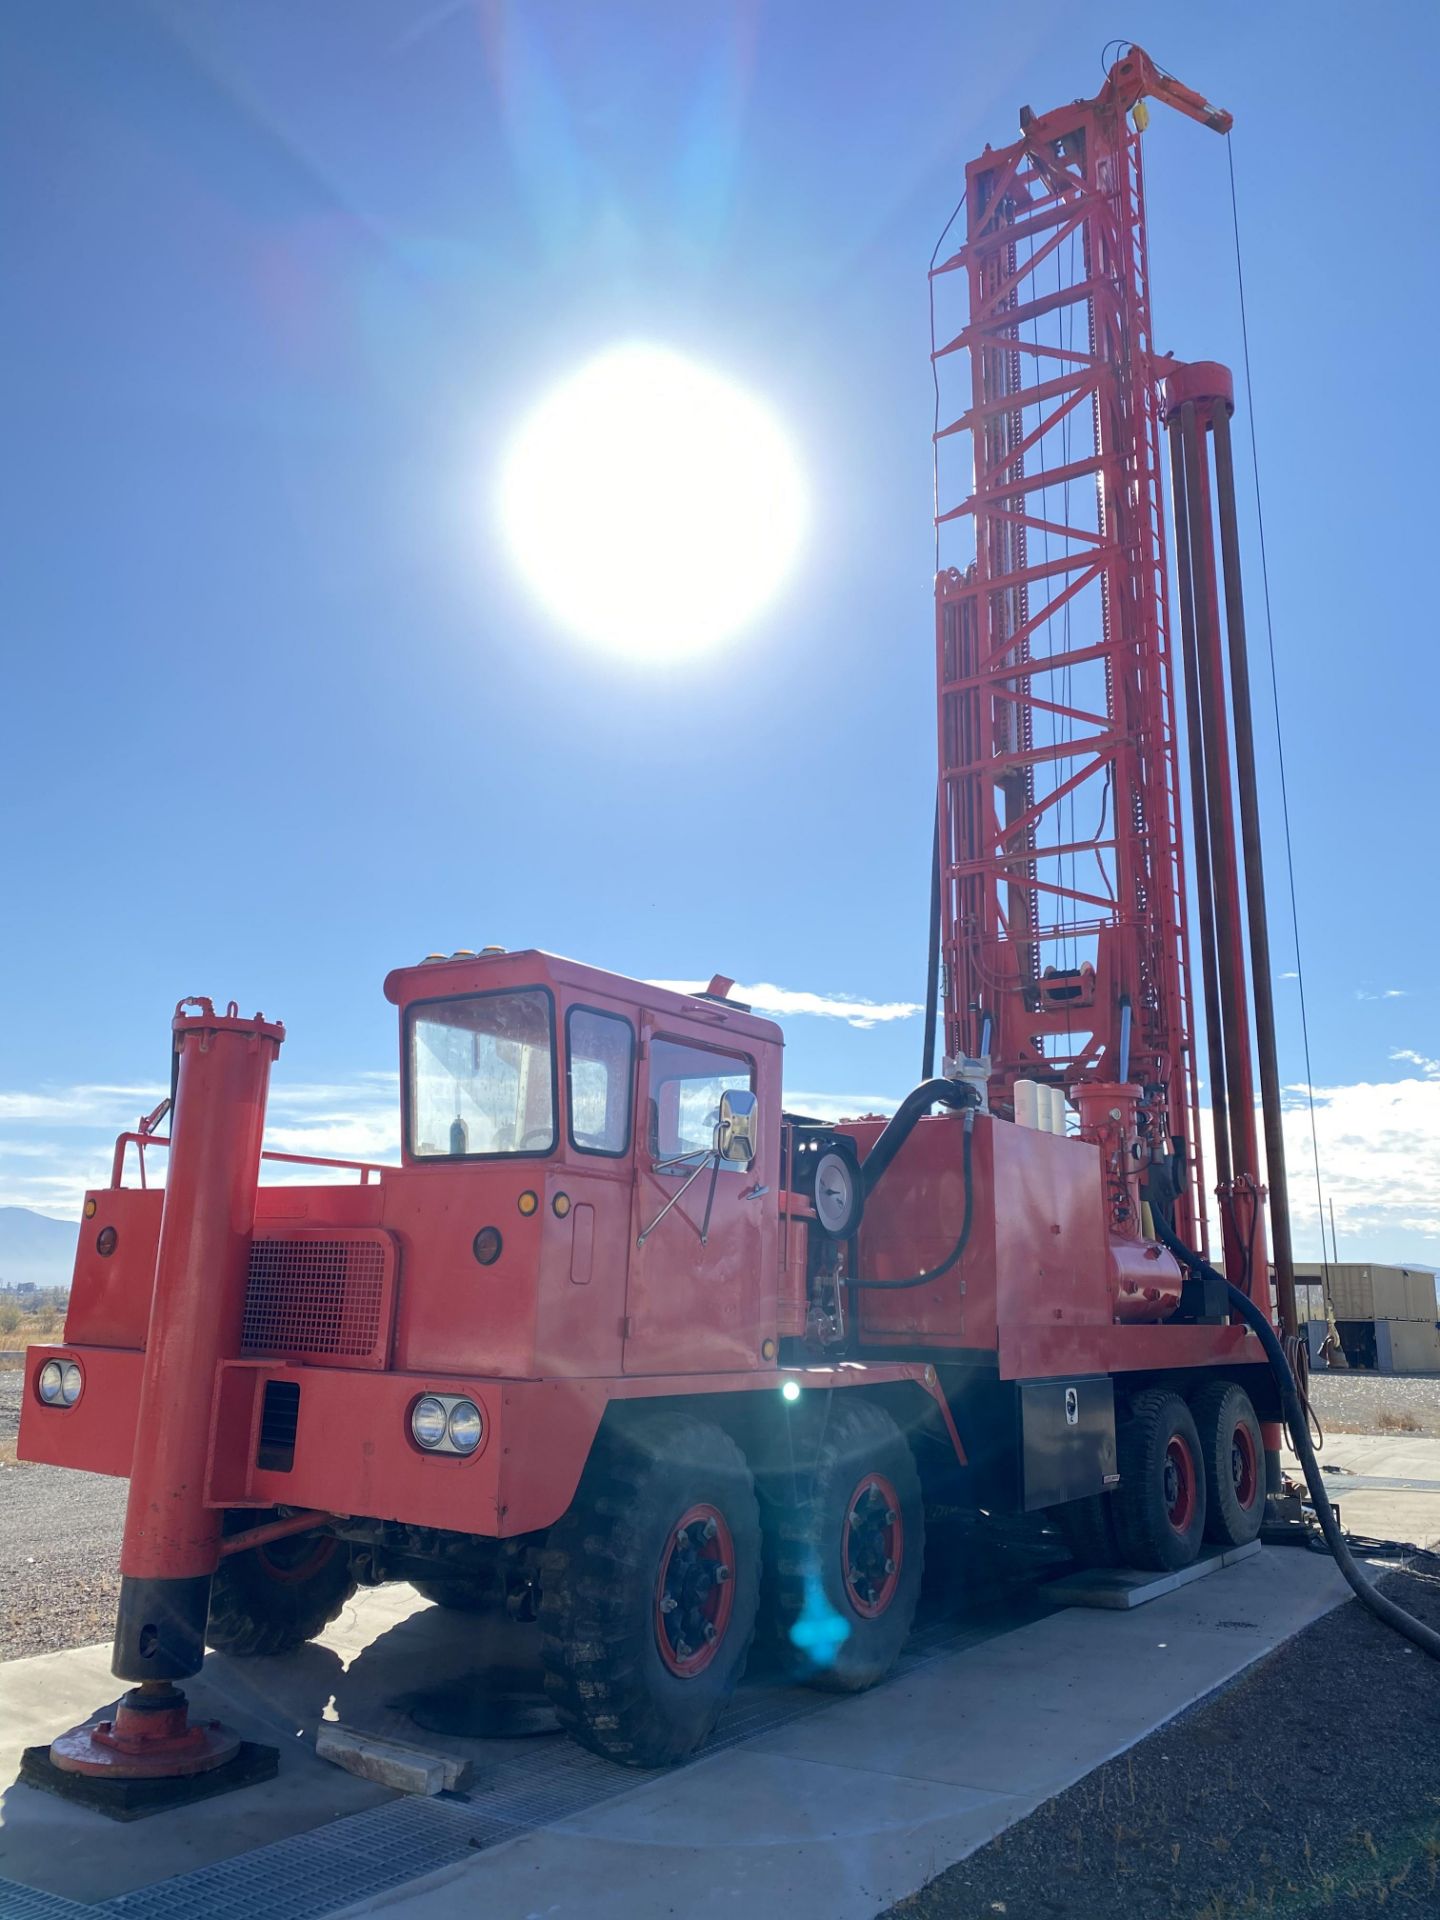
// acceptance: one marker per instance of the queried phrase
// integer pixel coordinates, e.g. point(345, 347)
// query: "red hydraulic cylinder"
point(172, 1537)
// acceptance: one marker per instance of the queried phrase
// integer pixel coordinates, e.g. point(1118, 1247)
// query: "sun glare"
point(653, 507)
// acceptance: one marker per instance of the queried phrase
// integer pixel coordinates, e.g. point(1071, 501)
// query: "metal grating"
point(319, 1298)
point(29, 1903)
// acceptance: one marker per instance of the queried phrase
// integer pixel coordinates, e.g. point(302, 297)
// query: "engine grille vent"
point(320, 1296)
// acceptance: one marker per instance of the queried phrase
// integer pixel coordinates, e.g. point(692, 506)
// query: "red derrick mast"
point(1063, 910)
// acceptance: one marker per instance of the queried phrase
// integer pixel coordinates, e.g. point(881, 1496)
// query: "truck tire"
point(643, 1637)
point(1233, 1451)
point(1088, 1529)
point(845, 1549)
point(1160, 1506)
point(272, 1598)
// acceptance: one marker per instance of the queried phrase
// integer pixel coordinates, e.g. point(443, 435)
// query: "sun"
point(653, 506)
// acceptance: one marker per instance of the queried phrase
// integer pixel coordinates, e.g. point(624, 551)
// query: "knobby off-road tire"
point(665, 1502)
point(1161, 1503)
point(1233, 1451)
point(273, 1598)
point(1088, 1529)
point(844, 1547)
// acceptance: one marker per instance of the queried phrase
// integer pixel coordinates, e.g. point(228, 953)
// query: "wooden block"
point(390, 1763)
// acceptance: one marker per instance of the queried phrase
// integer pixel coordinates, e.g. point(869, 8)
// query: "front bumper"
point(352, 1451)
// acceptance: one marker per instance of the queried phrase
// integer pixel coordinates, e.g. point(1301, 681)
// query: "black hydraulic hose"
point(929, 1093)
point(966, 1222)
point(1416, 1631)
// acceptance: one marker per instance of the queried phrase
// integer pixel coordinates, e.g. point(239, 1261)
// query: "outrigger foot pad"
point(151, 1743)
point(130, 1799)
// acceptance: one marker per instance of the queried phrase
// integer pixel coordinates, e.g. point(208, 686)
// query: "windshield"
point(482, 1077)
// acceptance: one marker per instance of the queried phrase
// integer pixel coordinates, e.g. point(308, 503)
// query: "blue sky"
point(280, 715)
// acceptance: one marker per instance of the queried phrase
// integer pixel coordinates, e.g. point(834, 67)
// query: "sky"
point(280, 711)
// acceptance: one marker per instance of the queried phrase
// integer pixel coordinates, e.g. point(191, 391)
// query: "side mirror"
point(737, 1132)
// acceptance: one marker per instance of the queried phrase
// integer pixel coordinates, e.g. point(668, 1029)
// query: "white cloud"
point(783, 1002)
point(1385, 993)
point(839, 1106)
point(1290, 974)
point(84, 1106)
point(345, 1120)
point(1430, 1068)
point(1379, 1148)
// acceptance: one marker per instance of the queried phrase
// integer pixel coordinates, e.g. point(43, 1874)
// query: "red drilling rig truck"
point(623, 1345)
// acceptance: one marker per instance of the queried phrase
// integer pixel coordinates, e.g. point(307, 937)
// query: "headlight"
point(447, 1423)
point(51, 1383)
point(428, 1422)
point(71, 1382)
point(465, 1426)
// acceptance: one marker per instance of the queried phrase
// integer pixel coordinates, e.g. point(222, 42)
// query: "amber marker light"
point(528, 1203)
point(561, 1205)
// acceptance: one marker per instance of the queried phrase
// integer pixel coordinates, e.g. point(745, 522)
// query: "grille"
point(320, 1296)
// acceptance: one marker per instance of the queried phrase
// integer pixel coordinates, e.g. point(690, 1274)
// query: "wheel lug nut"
point(722, 1574)
point(890, 1517)
point(889, 1566)
point(709, 1630)
point(709, 1530)
point(667, 1605)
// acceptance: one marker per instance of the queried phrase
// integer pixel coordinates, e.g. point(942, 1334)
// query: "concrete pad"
point(740, 1834)
point(49, 1844)
point(846, 1810)
point(1405, 1514)
point(1126, 1587)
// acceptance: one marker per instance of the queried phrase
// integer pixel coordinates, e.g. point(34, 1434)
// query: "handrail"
point(142, 1140)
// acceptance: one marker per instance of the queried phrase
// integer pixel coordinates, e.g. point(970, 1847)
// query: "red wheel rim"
point(872, 1549)
point(1179, 1483)
point(295, 1557)
point(1244, 1467)
point(695, 1591)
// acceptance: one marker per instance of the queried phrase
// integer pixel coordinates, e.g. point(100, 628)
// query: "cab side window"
point(600, 1057)
point(685, 1088)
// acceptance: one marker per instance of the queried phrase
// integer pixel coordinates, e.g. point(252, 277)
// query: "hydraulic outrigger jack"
point(150, 1754)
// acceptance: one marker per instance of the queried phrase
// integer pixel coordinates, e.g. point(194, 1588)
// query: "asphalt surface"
point(1253, 1802)
point(59, 1544)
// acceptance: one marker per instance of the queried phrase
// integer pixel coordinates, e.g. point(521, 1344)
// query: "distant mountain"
point(36, 1248)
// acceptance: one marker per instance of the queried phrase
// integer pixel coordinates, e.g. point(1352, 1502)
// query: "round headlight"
point(486, 1246)
point(71, 1381)
point(50, 1383)
point(466, 1426)
point(427, 1422)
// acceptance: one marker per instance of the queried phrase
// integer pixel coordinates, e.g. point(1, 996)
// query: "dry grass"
point(20, 1327)
point(1388, 1421)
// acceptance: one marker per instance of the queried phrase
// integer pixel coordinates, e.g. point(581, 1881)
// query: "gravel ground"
point(1377, 1402)
point(1253, 1802)
point(59, 1544)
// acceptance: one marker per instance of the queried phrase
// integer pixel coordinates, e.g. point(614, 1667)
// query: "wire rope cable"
point(1275, 704)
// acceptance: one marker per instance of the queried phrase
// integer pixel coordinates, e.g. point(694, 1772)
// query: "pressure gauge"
point(839, 1200)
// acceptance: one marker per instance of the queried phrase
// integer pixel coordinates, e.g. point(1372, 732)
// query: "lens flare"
point(653, 507)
